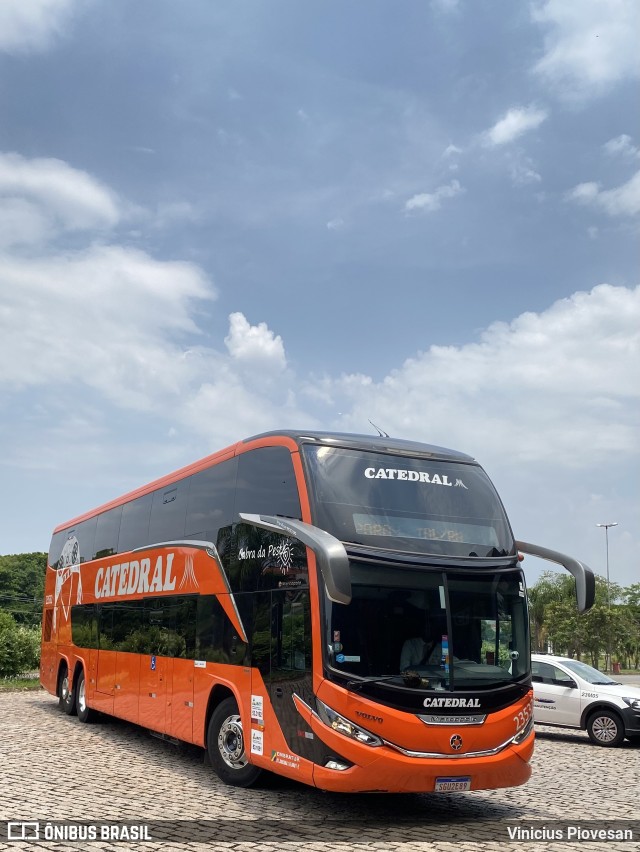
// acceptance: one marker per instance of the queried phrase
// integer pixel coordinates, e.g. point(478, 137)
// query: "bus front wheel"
point(226, 746)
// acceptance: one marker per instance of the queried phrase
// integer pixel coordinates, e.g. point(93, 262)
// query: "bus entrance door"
point(291, 663)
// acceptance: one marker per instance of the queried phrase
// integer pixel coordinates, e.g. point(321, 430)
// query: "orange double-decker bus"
point(345, 610)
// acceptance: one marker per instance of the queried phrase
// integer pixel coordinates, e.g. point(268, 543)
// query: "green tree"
point(22, 586)
point(551, 588)
point(19, 647)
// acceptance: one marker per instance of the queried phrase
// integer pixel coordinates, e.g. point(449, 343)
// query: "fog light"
point(335, 764)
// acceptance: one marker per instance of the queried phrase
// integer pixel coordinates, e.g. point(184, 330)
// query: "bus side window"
point(107, 532)
point(84, 534)
point(266, 483)
point(134, 526)
point(84, 626)
point(217, 639)
point(169, 511)
point(210, 504)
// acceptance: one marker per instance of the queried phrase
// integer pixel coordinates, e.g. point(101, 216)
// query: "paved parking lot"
point(54, 768)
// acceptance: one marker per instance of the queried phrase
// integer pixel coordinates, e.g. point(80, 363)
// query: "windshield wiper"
point(410, 678)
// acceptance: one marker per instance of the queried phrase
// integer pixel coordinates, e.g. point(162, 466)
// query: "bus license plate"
point(452, 785)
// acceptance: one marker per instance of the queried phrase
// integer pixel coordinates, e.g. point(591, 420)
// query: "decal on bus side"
point(133, 576)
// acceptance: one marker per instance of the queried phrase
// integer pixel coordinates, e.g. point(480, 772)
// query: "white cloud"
point(513, 124)
point(104, 318)
point(432, 201)
point(622, 146)
point(52, 196)
point(27, 25)
point(589, 46)
point(254, 344)
point(557, 387)
point(622, 201)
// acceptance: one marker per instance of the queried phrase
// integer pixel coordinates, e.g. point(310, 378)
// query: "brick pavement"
point(54, 768)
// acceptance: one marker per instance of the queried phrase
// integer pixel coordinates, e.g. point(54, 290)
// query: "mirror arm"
point(584, 577)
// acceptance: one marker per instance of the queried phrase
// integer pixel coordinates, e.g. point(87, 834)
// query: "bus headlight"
point(344, 726)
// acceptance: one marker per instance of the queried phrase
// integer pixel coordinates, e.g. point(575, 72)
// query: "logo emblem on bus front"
point(456, 742)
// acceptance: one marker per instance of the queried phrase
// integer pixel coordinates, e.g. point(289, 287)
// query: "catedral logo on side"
point(135, 577)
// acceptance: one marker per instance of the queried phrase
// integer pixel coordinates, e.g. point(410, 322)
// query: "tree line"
point(21, 597)
point(611, 626)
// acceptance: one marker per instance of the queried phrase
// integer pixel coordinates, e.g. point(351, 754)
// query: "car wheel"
point(605, 728)
point(226, 746)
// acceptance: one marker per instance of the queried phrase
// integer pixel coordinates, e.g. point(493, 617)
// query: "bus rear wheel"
point(66, 698)
point(85, 714)
point(226, 746)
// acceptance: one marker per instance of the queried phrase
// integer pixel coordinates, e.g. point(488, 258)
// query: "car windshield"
point(407, 504)
point(397, 626)
point(587, 673)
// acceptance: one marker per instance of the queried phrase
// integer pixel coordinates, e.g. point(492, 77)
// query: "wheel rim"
point(81, 701)
point(604, 729)
point(231, 743)
point(64, 688)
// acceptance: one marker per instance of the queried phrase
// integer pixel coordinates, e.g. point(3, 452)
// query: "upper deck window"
point(408, 504)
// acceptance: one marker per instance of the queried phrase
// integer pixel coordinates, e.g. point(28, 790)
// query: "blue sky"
point(221, 218)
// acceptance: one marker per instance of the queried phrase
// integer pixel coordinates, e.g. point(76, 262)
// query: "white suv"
point(571, 694)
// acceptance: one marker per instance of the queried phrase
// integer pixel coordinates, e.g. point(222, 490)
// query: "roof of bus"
point(375, 443)
point(378, 443)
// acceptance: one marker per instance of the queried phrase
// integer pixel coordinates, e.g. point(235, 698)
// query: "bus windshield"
point(397, 623)
point(409, 504)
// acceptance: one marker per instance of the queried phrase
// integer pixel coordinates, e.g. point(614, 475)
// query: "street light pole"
point(606, 538)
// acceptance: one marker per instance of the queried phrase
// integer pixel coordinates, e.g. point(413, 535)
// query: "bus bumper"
point(391, 772)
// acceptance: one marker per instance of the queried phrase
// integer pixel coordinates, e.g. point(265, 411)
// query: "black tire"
point(226, 746)
point(66, 696)
point(85, 714)
point(605, 728)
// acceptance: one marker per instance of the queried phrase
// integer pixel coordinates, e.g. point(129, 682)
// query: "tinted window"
point(257, 559)
point(410, 504)
point(55, 548)
point(134, 526)
point(168, 512)
point(73, 545)
point(266, 483)
point(84, 626)
point(127, 626)
point(170, 626)
point(211, 501)
point(107, 532)
point(217, 638)
point(164, 626)
point(105, 627)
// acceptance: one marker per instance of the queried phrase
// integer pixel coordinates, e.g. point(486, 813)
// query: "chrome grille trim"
point(431, 719)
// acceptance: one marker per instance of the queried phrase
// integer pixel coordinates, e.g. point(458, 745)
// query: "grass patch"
point(22, 682)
